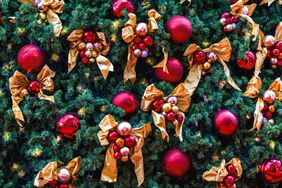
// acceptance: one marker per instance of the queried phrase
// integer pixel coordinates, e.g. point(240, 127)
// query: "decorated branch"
point(124, 143)
point(20, 87)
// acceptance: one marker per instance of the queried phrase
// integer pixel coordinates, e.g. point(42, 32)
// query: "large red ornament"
point(67, 125)
point(119, 5)
point(180, 28)
point(225, 123)
point(271, 170)
point(34, 87)
point(175, 71)
point(248, 63)
point(127, 101)
point(175, 162)
point(31, 58)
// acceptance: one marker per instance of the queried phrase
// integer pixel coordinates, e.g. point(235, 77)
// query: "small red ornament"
point(53, 183)
point(127, 101)
point(175, 162)
point(137, 40)
point(265, 107)
point(224, 15)
point(31, 58)
point(157, 105)
point(200, 56)
point(85, 60)
point(225, 123)
point(82, 53)
point(90, 36)
point(113, 136)
point(170, 116)
point(142, 46)
point(234, 19)
point(231, 170)
point(67, 125)
point(269, 53)
point(63, 186)
point(268, 115)
point(276, 52)
point(134, 47)
point(180, 28)
point(117, 155)
point(148, 40)
point(130, 141)
point(175, 71)
point(119, 5)
point(180, 117)
point(34, 87)
point(279, 63)
point(116, 148)
point(271, 170)
point(278, 45)
point(229, 180)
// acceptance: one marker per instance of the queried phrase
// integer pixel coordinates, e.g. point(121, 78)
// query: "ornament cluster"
point(271, 170)
point(206, 59)
point(64, 179)
point(169, 109)
point(229, 179)
point(274, 51)
point(268, 108)
point(42, 9)
point(228, 22)
point(123, 141)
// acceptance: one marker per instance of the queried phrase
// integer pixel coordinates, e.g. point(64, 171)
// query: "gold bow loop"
point(50, 10)
point(183, 102)
point(50, 173)
point(19, 88)
point(269, 2)
point(75, 38)
point(129, 34)
point(110, 171)
point(217, 173)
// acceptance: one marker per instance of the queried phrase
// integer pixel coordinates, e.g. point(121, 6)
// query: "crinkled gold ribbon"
point(183, 97)
point(49, 173)
point(236, 9)
point(128, 35)
point(103, 63)
point(163, 62)
point(252, 91)
point(217, 173)
point(269, 2)
point(223, 51)
point(109, 172)
point(53, 7)
point(19, 89)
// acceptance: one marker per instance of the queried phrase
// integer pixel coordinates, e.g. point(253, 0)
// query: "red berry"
point(34, 86)
point(148, 40)
point(85, 60)
point(200, 56)
point(113, 136)
point(268, 115)
point(63, 186)
point(117, 155)
point(179, 117)
point(276, 52)
point(142, 46)
point(265, 107)
point(234, 19)
point(157, 105)
point(269, 53)
point(90, 36)
point(229, 21)
point(82, 53)
point(170, 116)
point(279, 63)
point(231, 170)
point(116, 148)
point(251, 56)
point(53, 183)
point(130, 141)
point(137, 40)
point(279, 45)
point(225, 30)
point(229, 180)
point(134, 47)
point(224, 15)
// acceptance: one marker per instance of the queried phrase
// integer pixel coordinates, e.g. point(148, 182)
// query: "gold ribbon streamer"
point(217, 173)
point(103, 63)
point(128, 35)
point(183, 97)
point(109, 172)
point(49, 173)
point(53, 7)
point(163, 63)
point(269, 2)
point(19, 89)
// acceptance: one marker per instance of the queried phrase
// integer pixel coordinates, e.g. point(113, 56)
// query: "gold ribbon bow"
point(76, 37)
point(181, 93)
point(269, 2)
point(19, 89)
point(252, 91)
point(217, 173)
point(49, 173)
point(128, 35)
point(222, 50)
point(109, 172)
point(237, 9)
point(52, 8)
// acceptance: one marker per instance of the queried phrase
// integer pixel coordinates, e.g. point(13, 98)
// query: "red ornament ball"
point(63, 186)
point(248, 63)
point(180, 28)
point(116, 148)
point(67, 125)
point(117, 155)
point(148, 40)
point(175, 71)
point(127, 101)
point(34, 87)
point(268, 115)
point(113, 136)
point(170, 116)
point(53, 183)
point(129, 141)
point(279, 45)
point(233, 1)
point(175, 162)
point(225, 123)
point(231, 170)
point(119, 5)
point(90, 36)
point(200, 56)
point(271, 170)
point(229, 180)
point(31, 58)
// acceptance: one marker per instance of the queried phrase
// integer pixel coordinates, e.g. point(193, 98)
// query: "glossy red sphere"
point(148, 40)
point(225, 15)
point(229, 180)
point(157, 105)
point(180, 29)
point(200, 56)
point(117, 155)
point(137, 40)
point(268, 115)
point(31, 58)
point(179, 117)
point(271, 170)
point(142, 46)
point(67, 125)
point(113, 136)
point(276, 52)
point(116, 148)
point(34, 86)
point(119, 5)
point(170, 116)
point(64, 186)
point(225, 123)
point(129, 141)
point(175, 162)
point(175, 71)
point(90, 36)
point(127, 101)
point(85, 60)
point(231, 170)
point(265, 107)
point(279, 45)
point(53, 183)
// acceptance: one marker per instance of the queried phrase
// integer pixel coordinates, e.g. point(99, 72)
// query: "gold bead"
point(272, 144)
point(20, 30)
point(6, 136)
point(15, 167)
point(206, 43)
point(88, 54)
point(271, 121)
point(92, 60)
point(120, 142)
point(64, 31)
point(103, 108)
point(55, 57)
point(115, 25)
point(43, 16)
point(150, 61)
point(21, 173)
point(271, 108)
point(95, 54)
point(166, 107)
point(113, 37)
point(10, 46)
point(39, 21)
point(37, 152)
point(81, 111)
point(206, 66)
point(81, 46)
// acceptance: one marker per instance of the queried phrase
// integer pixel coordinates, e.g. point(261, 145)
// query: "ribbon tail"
point(162, 64)
point(18, 114)
point(179, 127)
point(159, 122)
point(41, 96)
point(109, 172)
point(104, 65)
point(73, 53)
point(253, 25)
point(54, 19)
point(258, 115)
point(229, 78)
point(193, 78)
point(129, 71)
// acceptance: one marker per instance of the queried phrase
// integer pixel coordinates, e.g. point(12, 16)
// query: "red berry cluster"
point(34, 87)
point(90, 48)
point(168, 108)
point(141, 44)
point(57, 184)
point(229, 179)
point(248, 63)
point(228, 22)
point(123, 141)
point(274, 53)
point(268, 107)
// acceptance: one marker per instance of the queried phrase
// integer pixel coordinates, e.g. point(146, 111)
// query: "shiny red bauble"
point(233, 1)
point(271, 170)
point(180, 29)
point(200, 56)
point(130, 141)
point(67, 125)
point(175, 162)
point(64, 186)
point(278, 45)
point(175, 71)
point(117, 155)
point(116, 148)
point(34, 87)
point(268, 115)
point(248, 63)
point(148, 41)
point(231, 170)
point(113, 136)
point(90, 36)
point(119, 5)
point(127, 101)
point(225, 123)
point(31, 58)
point(53, 183)
point(276, 52)
point(180, 117)
point(170, 116)
point(157, 105)
point(229, 180)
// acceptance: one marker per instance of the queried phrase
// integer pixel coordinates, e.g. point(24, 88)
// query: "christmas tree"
point(84, 92)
